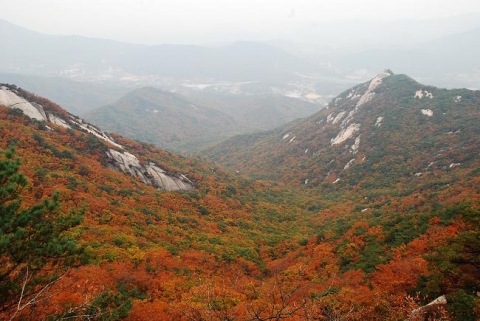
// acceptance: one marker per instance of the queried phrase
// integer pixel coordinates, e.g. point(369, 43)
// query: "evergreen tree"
point(31, 238)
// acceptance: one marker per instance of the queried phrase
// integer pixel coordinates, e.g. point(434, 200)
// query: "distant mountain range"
point(87, 58)
point(430, 56)
point(373, 135)
point(187, 124)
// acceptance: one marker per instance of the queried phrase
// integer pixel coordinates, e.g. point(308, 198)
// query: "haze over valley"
point(239, 160)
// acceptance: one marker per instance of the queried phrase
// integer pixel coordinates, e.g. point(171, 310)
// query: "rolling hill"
point(187, 124)
point(166, 119)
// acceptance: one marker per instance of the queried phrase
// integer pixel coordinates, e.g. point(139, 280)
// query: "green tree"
point(456, 266)
point(31, 238)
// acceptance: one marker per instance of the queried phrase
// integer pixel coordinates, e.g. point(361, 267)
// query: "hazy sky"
point(197, 21)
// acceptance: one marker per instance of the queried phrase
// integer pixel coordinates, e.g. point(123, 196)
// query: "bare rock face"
point(149, 173)
point(123, 161)
point(12, 100)
point(9, 98)
point(88, 128)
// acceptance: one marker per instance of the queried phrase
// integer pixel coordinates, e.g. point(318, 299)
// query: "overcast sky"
point(203, 21)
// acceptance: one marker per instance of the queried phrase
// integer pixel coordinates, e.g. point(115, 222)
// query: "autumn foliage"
point(243, 249)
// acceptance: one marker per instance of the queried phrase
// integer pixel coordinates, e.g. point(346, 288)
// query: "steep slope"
point(137, 240)
point(376, 134)
point(234, 248)
point(166, 119)
point(118, 158)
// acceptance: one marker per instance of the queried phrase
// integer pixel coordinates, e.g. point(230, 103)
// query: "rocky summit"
point(379, 132)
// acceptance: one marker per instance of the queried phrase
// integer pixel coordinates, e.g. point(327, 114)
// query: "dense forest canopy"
point(81, 240)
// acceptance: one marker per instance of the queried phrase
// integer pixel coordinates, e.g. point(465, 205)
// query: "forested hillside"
point(378, 134)
point(372, 246)
point(188, 123)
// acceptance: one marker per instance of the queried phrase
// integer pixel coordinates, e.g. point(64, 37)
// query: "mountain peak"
point(391, 122)
point(358, 96)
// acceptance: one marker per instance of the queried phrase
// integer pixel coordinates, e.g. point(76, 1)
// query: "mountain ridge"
point(108, 59)
point(236, 248)
point(162, 117)
point(186, 123)
point(357, 126)
point(119, 159)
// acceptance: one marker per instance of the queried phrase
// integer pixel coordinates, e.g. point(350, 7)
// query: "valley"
point(328, 237)
point(281, 179)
